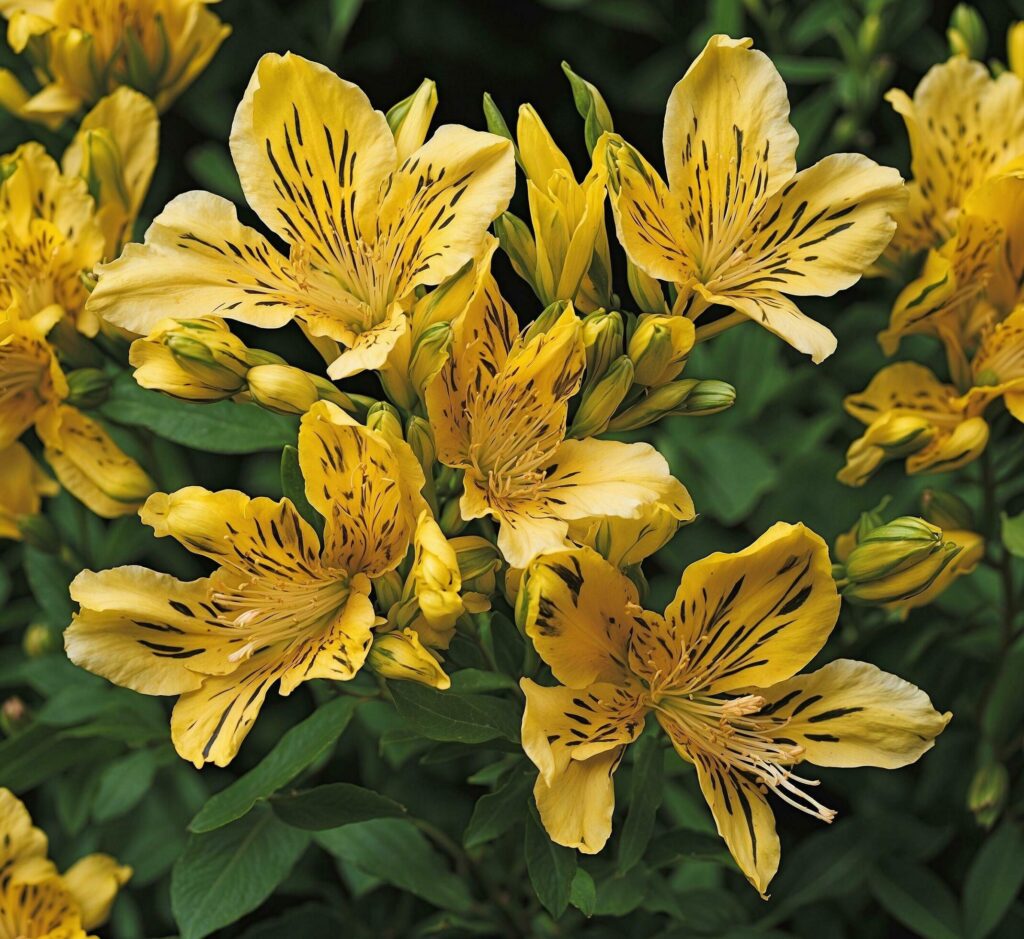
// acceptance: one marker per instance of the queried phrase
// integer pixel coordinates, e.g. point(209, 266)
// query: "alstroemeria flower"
point(35, 898)
point(85, 49)
point(997, 367)
point(910, 413)
point(49, 235)
point(736, 224)
point(364, 227)
point(498, 409)
point(718, 669)
point(280, 608)
point(964, 126)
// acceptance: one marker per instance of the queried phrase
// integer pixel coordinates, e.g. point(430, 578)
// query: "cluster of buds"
point(633, 382)
point(893, 561)
point(202, 360)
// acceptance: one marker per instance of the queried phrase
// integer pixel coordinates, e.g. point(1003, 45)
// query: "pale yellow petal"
point(94, 882)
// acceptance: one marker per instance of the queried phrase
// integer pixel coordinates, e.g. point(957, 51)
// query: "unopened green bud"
point(603, 335)
point(429, 354)
point(690, 396)
point(409, 120)
point(709, 396)
point(896, 561)
point(646, 291)
point(946, 510)
point(518, 243)
point(600, 402)
point(282, 388)
point(39, 640)
point(421, 442)
point(477, 558)
point(658, 348)
point(400, 654)
point(591, 106)
point(103, 170)
point(869, 33)
point(88, 388)
point(967, 34)
point(986, 795)
point(387, 590)
point(548, 317)
point(327, 391)
point(384, 419)
point(39, 532)
point(450, 519)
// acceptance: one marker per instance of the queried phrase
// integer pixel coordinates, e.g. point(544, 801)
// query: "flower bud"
point(897, 561)
point(384, 419)
point(39, 640)
point(986, 795)
point(435, 577)
point(14, 715)
point(387, 590)
point(1015, 48)
point(429, 354)
point(409, 120)
point(421, 442)
point(282, 388)
point(479, 561)
point(690, 396)
point(450, 519)
point(401, 655)
point(87, 387)
point(550, 315)
point(947, 511)
point(39, 532)
point(518, 243)
point(600, 402)
point(645, 290)
point(967, 34)
point(591, 106)
point(603, 334)
point(890, 436)
point(658, 348)
point(103, 170)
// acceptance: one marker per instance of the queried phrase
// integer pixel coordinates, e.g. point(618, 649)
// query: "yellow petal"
point(435, 575)
point(628, 541)
point(576, 738)
point(907, 388)
point(435, 214)
point(578, 610)
point(410, 119)
point(403, 656)
point(312, 155)
point(743, 818)
point(728, 142)
point(853, 714)
point(199, 260)
point(952, 450)
point(22, 483)
point(35, 902)
point(30, 378)
point(538, 151)
point(21, 841)
point(90, 465)
point(757, 616)
point(963, 125)
point(366, 350)
point(366, 486)
point(94, 882)
point(972, 551)
point(1001, 200)
point(148, 631)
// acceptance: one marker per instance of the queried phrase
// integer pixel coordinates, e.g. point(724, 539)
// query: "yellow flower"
point(910, 413)
point(37, 900)
point(964, 127)
point(30, 378)
point(718, 669)
point(498, 409)
point(280, 608)
point(365, 227)
point(82, 50)
point(569, 247)
point(997, 367)
point(22, 483)
point(115, 152)
point(49, 235)
point(736, 225)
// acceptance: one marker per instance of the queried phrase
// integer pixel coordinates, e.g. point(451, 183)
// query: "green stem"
point(719, 326)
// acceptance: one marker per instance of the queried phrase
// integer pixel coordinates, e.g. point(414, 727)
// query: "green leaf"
point(217, 427)
point(395, 851)
point(645, 795)
point(301, 745)
point(48, 577)
point(457, 718)
point(680, 844)
point(332, 806)
point(210, 164)
point(223, 875)
point(38, 753)
point(1013, 534)
point(496, 812)
point(994, 880)
point(918, 899)
point(583, 892)
point(123, 783)
point(551, 867)
point(293, 487)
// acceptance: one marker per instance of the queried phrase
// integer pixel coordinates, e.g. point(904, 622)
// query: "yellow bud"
point(690, 396)
point(38, 640)
point(893, 546)
point(658, 348)
point(986, 795)
point(401, 655)
point(103, 170)
point(429, 354)
point(891, 435)
point(421, 442)
point(409, 120)
point(518, 243)
point(282, 388)
point(603, 334)
point(385, 420)
point(1015, 49)
point(967, 34)
point(646, 291)
point(387, 590)
point(602, 399)
point(946, 510)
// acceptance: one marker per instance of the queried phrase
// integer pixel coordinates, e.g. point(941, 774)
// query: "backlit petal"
point(94, 882)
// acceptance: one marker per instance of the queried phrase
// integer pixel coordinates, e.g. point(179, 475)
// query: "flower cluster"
point(482, 477)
